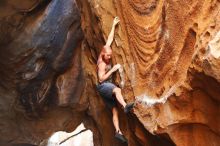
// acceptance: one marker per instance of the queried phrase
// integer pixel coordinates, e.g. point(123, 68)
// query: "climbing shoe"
point(128, 107)
point(121, 137)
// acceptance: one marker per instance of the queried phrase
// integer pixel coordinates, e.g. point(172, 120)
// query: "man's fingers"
point(116, 20)
point(118, 66)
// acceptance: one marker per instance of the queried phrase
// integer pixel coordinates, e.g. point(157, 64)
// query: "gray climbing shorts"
point(105, 90)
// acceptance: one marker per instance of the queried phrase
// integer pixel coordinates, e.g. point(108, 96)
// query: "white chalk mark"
point(132, 72)
point(150, 101)
point(121, 73)
point(214, 46)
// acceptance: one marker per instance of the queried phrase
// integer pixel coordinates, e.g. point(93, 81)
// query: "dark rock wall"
point(40, 58)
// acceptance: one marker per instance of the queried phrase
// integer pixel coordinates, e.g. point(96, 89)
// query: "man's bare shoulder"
point(101, 65)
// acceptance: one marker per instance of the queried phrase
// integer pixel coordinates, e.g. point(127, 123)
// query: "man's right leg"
point(127, 107)
point(118, 95)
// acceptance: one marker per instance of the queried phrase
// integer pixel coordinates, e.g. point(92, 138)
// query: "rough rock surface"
point(169, 51)
point(43, 78)
point(39, 51)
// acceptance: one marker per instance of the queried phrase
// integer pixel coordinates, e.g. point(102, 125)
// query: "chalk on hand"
point(118, 66)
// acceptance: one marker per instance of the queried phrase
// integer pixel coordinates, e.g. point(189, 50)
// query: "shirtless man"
point(110, 92)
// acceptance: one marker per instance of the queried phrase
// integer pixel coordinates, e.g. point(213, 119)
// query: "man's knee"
point(117, 90)
point(114, 110)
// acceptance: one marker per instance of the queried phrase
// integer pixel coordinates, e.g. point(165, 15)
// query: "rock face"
point(169, 52)
point(40, 69)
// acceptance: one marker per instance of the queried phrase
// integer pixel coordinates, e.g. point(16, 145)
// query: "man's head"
point(106, 54)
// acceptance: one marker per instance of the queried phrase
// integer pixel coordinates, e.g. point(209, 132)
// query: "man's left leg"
point(115, 119)
point(118, 133)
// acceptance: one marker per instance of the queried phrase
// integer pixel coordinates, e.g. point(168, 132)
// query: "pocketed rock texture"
point(169, 52)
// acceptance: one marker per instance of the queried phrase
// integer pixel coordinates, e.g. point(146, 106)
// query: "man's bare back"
point(104, 71)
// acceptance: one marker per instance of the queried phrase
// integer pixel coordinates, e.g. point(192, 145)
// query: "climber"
point(110, 92)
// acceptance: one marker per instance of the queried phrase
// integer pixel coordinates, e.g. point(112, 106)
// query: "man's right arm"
point(111, 34)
